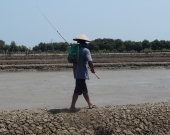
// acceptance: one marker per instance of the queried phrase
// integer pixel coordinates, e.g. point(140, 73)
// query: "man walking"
point(80, 71)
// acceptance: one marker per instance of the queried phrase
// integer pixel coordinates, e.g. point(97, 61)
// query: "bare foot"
point(74, 109)
point(92, 106)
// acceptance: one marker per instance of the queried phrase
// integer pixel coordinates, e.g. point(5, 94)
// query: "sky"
point(135, 20)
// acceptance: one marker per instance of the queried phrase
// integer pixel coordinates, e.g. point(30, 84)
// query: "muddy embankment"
point(101, 61)
point(140, 119)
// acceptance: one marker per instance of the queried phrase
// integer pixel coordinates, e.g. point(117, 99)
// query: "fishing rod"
point(56, 30)
point(51, 24)
point(95, 74)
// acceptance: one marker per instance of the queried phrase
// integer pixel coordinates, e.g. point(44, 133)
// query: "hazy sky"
point(135, 20)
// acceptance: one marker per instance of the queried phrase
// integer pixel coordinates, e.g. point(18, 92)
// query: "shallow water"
point(30, 90)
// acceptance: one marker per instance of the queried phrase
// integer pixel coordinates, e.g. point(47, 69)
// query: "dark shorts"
point(80, 86)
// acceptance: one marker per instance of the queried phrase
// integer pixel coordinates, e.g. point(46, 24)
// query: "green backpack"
point(73, 54)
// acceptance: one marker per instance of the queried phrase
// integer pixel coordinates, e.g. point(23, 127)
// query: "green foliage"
point(22, 48)
point(138, 46)
point(36, 48)
point(2, 44)
point(145, 44)
point(13, 48)
point(148, 50)
point(167, 44)
point(93, 46)
point(159, 45)
point(6, 48)
point(129, 45)
point(119, 45)
point(105, 45)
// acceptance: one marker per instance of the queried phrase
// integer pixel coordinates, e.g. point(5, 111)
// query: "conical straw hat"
point(82, 36)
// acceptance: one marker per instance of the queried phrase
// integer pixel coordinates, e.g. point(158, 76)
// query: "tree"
point(119, 45)
point(2, 43)
point(145, 44)
point(121, 48)
point(56, 46)
point(13, 47)
point(109, 44)
point(42, 47)
point(63, 47)
point(36, 48)
point(93, 46)
point(155, 45)
point(23, 48)
point(138, 46)
point(167, 44)
point(162, 44)
point(99, 42)
point(6, 48)
point(50, 47)
point(129, 45)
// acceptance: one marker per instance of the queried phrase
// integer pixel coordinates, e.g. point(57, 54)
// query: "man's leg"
point(86, 96)
point(74, 99)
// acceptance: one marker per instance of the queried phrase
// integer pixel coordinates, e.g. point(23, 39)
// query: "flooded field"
point(29, 90)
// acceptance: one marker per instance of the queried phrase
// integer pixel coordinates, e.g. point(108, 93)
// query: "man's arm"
point(91, 66)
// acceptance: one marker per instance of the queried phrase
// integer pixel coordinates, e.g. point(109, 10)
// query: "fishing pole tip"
point(33, 3)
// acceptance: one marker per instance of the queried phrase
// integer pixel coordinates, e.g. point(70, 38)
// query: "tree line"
point(117, 45)
point(97, 45)
point(12, 47)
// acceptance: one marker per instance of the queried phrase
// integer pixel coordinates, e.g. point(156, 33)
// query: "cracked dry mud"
point(142, 119)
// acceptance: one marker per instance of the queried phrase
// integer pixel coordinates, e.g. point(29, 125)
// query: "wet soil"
point(101, 61)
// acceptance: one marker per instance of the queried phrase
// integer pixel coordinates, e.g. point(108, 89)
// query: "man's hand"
point(92, 70)
point(91, 66)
